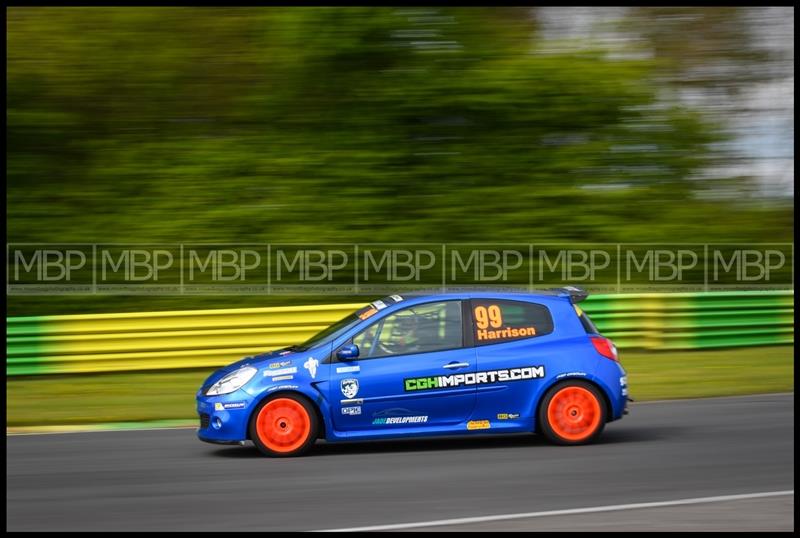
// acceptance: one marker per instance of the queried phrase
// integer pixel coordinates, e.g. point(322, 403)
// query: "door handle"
point(456, 365)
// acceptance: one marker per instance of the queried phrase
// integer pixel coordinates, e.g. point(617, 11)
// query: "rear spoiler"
point(576, 294)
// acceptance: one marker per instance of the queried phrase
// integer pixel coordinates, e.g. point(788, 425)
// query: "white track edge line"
point(570, 511)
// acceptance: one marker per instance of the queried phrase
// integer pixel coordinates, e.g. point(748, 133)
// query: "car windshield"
point(332, 331)
point(346, 322)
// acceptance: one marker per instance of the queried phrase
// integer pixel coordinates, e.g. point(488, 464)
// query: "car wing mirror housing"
point(348, 352)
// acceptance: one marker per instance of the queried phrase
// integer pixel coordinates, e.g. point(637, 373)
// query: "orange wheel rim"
point(574, 413)
point(283, 425)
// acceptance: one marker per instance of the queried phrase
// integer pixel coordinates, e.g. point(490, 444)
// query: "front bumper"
point(218, 442)
point(223, 419)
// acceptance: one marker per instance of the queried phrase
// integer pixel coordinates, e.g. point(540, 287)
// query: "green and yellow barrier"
point(211, 338)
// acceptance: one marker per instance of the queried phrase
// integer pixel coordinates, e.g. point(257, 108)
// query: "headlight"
point(233, 381)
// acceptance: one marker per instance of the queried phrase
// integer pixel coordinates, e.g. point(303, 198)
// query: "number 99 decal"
point(503, 320)
point(491, 315)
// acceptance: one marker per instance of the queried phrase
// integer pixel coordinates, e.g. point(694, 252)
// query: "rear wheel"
point(572, 413)
point(285, 425)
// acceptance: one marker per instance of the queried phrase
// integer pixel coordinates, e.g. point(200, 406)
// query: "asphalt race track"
point(662, 451)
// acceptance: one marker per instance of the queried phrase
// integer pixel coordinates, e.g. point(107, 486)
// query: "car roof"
point(418, 296)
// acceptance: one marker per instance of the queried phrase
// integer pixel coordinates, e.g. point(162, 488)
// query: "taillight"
point(605, 347)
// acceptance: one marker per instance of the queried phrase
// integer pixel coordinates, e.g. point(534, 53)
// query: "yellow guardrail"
point(211, 338)
point(158, 340)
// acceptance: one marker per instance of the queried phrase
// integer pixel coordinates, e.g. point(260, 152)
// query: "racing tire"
point(572, 413)
point(284, 425)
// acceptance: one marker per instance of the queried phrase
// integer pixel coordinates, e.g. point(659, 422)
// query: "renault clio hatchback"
point(425, 365)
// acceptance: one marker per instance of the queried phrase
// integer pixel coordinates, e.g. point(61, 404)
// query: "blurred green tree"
point(351, 124)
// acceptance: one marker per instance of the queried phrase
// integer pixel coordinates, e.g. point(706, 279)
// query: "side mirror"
point(347, 352)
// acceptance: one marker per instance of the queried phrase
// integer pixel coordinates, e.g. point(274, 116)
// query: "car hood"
point(275, 360)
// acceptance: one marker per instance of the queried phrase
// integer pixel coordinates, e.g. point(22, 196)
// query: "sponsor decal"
point(571, 374)
point(222, 406)
point(476, 378)
point(624, 391)
point(349, 387)
point(351, 410)
point(352, 401)
point(401, 420)
point(478, 425)
point(380, 305)
point(283, 378)
point(623, 381)
point(283, 387)
point(347, 369)
point(507, 416)
point(284, 371)
point(282, 353)
point(396, 298)
point(281, 364)
point(367, 313)
point(311, 365)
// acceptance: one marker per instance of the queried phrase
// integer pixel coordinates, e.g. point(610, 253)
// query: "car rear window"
point(588, 326)
point(496, 321)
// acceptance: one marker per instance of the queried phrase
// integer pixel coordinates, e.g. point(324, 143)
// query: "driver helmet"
point(404, 327)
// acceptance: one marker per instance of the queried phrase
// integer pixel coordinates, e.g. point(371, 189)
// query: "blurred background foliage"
point(384, 125)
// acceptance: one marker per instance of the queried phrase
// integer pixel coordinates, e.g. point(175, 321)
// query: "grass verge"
point(148, 396)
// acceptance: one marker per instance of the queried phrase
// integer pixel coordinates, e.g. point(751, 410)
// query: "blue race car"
point(467, 363)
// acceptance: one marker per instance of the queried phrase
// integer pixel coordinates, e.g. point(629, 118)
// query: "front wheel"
point(284, 425)
point(572, 413)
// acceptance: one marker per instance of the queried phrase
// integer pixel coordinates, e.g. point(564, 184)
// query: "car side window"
point(365, 340)
point(416, 329)
point(495, 321)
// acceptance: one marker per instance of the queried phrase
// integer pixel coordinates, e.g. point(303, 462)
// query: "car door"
point(410, 372)
point(515, 346)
